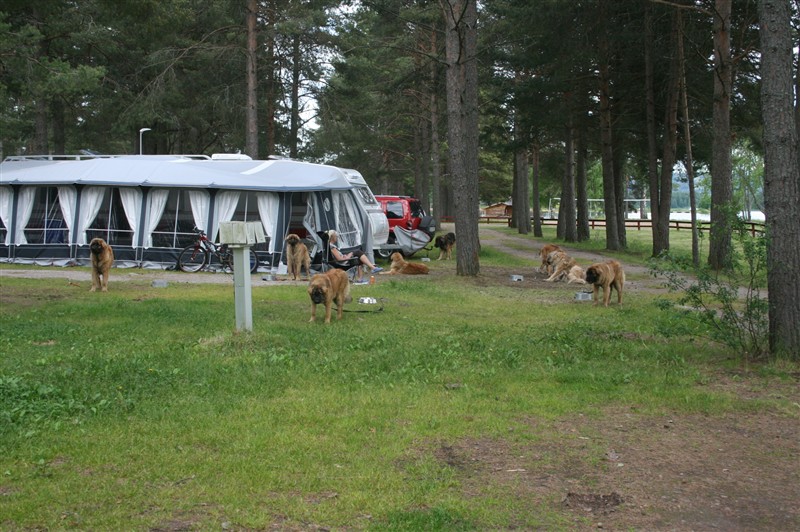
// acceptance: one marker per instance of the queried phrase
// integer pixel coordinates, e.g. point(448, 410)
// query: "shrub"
point(728, 302)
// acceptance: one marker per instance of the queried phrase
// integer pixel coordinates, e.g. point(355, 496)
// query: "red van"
point(408, 213)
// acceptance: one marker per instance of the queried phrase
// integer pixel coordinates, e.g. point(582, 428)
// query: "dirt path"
point(526, 247)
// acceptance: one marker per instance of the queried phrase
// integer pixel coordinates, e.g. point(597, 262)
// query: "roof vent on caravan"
point(230, 157)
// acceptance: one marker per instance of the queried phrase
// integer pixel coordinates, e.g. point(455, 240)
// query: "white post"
point(242, 293)
point(240, 236)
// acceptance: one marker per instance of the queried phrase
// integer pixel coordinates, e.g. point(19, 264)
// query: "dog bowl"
point(426, 259)
point(367, 300)
point(583, 296)
point(159, 283)
point(517, 278)
point(268, 277)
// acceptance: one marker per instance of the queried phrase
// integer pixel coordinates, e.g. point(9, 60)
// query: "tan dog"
point(561, 264)
point(445, 244)
point(543, 253)
point(297, 256)
point(606, 275)
point(576, 275)
point(400, 265)
point(327, 288)
point(102, 260)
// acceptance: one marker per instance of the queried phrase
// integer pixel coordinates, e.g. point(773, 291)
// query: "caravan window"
point(247, 211)
point(46, 224)
point(111, 223)
point(6, 195)
point(345, 210)
point(174, 228)
point(366, 196)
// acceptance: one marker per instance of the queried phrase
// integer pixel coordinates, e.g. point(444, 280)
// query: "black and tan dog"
point(327, 288)
point(445, 244)
point(297, 256)
point(400, 265)
point(102, 260)
point(606, 275)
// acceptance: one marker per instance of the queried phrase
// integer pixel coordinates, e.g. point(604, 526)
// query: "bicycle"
point(196, 256)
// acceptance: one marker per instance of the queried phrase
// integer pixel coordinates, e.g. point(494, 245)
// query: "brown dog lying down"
point(297, 256)
point(565, 267)
point(544, 253)
point(327, 288)
point(400, 265)
point(606, 275)
point(576, 275)
point(102, 260)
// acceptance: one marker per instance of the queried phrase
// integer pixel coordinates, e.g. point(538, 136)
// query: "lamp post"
point(141, 131)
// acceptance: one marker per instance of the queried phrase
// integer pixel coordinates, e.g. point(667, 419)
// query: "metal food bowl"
point(583, 296)
point(517, 278)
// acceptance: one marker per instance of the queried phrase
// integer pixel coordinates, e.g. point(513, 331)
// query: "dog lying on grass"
point(400, 265)
point(565, 267)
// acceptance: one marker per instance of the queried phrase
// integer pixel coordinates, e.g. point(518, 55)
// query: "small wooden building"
point(504, 208)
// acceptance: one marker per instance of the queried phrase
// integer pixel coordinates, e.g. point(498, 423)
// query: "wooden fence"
point(755, 228)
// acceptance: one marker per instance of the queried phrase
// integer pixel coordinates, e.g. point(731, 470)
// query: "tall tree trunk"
point(423, 186)
point(521, 218)
point(719, 252)
point(418, 158)
point(59, 133)
point(606, 140)
point(670, 143)
point(40, 142)
point(687, 140)
point(270, 88)
point(567, 207)
point(294, 125)
point(781, 178)
point(581, 193)
point(434, 110)
point(537, 205)
point(461, 43)
point(652, 145)
point(251, 107)
point(620, 186)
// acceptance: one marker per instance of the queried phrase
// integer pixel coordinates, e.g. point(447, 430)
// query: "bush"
point(728, 302)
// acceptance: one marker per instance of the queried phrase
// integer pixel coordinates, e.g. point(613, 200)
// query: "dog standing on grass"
point(327, 288)
point(445, 244)
point(297, 256)
point(606, 275)
point(102, 259)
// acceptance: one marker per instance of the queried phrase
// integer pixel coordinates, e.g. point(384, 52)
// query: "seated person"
point(340, 257)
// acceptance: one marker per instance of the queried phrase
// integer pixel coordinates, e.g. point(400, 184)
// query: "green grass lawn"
point(143, 408)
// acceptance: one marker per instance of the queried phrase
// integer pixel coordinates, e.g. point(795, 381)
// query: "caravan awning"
point(175, 172)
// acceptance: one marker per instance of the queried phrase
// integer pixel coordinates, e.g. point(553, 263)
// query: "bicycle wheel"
point(253, 261)
point(192, 259)
point(228, 262)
